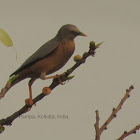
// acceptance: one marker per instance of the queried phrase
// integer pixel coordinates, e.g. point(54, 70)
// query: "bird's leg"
point(30, 87)
point(29, 101)
point(44, 77)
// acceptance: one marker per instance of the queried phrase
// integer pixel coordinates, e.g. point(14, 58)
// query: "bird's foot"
point(60, 81)
point(59, 77)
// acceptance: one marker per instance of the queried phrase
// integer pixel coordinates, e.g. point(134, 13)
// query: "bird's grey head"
point(69, 31)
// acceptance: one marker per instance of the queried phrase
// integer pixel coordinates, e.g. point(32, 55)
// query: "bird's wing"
point(42, 52)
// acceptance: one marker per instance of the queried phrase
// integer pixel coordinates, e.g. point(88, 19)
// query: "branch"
point(55, 83)
point(112, 116)
point(133, 131)
point(96, 125)
point(115, 110)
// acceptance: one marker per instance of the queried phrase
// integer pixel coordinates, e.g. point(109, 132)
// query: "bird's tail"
point(12, 81)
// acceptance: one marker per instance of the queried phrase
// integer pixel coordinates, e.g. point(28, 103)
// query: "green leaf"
point(12, 79)
point(5, 38)
point(70, 77)
point(97, 45)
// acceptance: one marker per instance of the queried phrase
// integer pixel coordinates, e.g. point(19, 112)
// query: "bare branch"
point(133, 131)
point(99, 130)
point(115, 110)
point(96, 125)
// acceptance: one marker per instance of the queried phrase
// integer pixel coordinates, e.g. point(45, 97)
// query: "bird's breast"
point(61, 55)
point(67, 48)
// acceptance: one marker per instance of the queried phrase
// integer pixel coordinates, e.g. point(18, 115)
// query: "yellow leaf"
point(5, 39)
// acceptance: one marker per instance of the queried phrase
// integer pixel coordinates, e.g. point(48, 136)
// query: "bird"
point(48, 59)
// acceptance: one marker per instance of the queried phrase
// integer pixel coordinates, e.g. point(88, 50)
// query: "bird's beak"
point(82, 34)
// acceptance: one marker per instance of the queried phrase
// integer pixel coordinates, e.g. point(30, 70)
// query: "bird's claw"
point(60, 80)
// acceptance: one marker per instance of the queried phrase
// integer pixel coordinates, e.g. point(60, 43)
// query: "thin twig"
point(96, 125)
point(99, 130)
point(133, 131)
point(115, 110)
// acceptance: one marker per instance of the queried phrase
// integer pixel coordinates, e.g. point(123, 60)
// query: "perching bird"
point(49, 58)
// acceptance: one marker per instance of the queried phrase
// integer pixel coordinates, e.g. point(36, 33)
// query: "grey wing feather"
point(42, 52)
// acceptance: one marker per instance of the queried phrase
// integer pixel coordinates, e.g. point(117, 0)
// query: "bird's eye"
point(73, 32)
